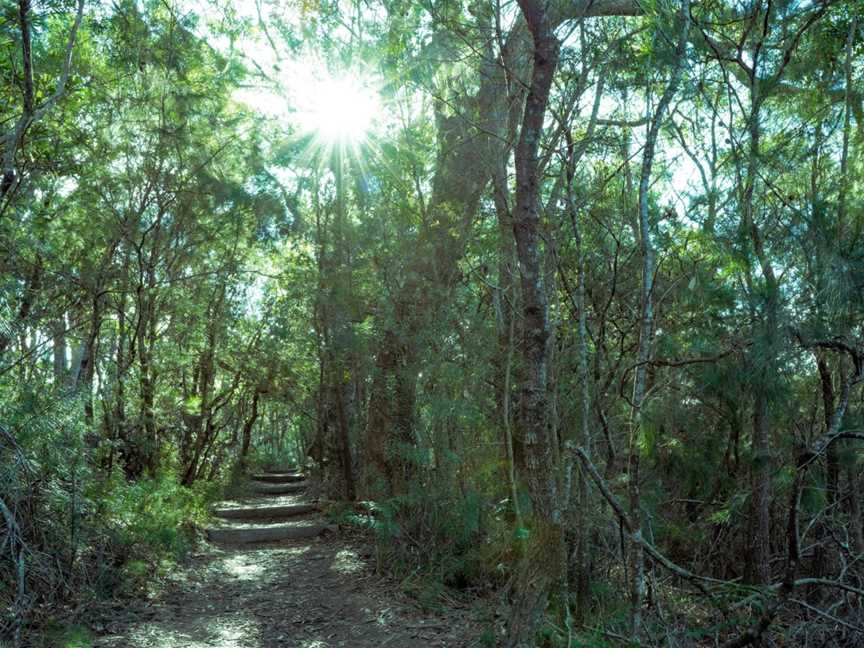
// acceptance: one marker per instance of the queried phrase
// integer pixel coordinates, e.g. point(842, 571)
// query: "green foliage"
point(153, 518)
point(191, 289)
point(89, 532)
point(73, 636)
point(436, 543)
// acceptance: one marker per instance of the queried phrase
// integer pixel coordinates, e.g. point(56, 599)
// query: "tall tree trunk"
point(430, 276)
point(764, 373)
point(541, 565)
point(468, 150)
point(200, 424)
point(503, 298)
point(847, 127)
point(334, 326)
point(342, 337)
point(472, 148)
point(146, 385)
point(116, 421)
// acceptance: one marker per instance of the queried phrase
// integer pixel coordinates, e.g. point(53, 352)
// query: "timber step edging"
point(273, 533)
point(279, 478)
point(281, 471)
point(278, 489)
point(255, 512)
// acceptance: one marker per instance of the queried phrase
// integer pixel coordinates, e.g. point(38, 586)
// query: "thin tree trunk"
point(59, 344)
point(146, 386)
point(82, 378)
point(508, 426)
point(247, 429)
point(761, 490)
point(833, 467)
point(847, 128)
point(646, 331)
point(581, 560)
point(857, 524)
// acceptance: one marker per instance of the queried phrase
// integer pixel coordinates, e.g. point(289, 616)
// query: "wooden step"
point(264, 533)
point(279, 478)
point(283, 470)
point(257, 512)
point(278, 489)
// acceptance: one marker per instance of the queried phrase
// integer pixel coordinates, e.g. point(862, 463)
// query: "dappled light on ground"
point(313, 592)
point(168, 631)
point(241, 568)
point(318, 594)
point(255, 567)
point(347, 562)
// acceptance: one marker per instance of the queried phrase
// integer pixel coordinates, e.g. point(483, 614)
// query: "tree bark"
point(762, 413)
point(542, 564)
point(461, 176)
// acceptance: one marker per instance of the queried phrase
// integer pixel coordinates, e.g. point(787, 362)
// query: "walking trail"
point(274, 574)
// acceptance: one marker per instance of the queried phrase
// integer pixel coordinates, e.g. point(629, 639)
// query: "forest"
point(557, 306)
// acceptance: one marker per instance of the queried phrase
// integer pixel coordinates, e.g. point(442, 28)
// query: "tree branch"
point(32, 114)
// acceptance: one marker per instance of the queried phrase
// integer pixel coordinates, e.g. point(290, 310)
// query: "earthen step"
point(255, 512)
point(278, 489)
point(283, 470)
point(264, 533)
point(279, 478)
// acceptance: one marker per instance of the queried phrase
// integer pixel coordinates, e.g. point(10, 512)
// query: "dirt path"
point(307, 593)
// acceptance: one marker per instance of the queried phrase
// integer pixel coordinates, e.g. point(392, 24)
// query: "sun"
point(339, 109)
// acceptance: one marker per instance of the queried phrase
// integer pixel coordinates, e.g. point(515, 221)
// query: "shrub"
point(71, 529)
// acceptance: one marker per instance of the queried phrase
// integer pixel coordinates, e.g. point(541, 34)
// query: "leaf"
point(720, 517)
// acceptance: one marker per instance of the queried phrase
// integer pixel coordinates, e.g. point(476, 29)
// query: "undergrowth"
point(441, 545)
point(73, 530)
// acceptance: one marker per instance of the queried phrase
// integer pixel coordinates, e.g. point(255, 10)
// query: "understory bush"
point(437, 539)
point(73, 529)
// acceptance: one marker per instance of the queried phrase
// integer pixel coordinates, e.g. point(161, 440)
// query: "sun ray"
point(338, 110)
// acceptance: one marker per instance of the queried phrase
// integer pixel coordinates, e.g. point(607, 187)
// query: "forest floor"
point(313, 593)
